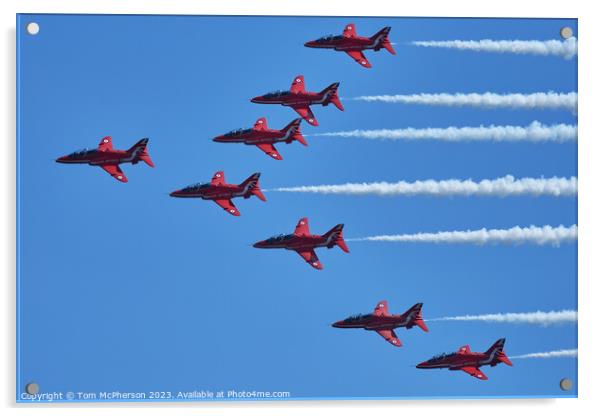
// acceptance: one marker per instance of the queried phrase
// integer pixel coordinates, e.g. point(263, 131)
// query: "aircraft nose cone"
point(336, 324)
point(60, 159)
point(257, 99)
point(175, 194)
point(421, 365)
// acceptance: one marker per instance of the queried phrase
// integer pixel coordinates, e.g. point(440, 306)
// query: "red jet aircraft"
point(469, 361)
point(109, 159)
point(222, 193)
point(300, 100)
point(353, 45)
point(384, 323)
point(264, 138)
point(304, 243)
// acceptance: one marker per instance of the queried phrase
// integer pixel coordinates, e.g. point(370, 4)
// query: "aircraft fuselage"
point(457, 361)
point(212, 192)
point(96, 157)
point(373, 322)
point(292, 99)
point(294, 242)
point(254, 137)
point(341, 43)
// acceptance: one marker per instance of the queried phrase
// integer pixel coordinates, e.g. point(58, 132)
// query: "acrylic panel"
point(418, 176)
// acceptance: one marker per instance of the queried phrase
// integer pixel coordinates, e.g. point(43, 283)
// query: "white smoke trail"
point(534, 318)
point(538, 100)
point(549, 354)
point(500, 187)
point(545, 235)
point(566, 49)
point(535, 132)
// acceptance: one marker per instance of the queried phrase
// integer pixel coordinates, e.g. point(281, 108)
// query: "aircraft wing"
point(106, 144)
point(310, 257)
point(381, 308)
point(261, 124)
point(390, 336)
point(349, 31)
point(302, 227)
point(298, 84)
point(228, 206)
point(359, 57)
point(218, 178)
point(270, 150)
point(115, 171)
point(475, 372)
point(305, 112)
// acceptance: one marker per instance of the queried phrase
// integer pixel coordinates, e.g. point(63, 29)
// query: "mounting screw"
point(33, 28)
point(566, 32)
point(566, 384)
point(32, 388)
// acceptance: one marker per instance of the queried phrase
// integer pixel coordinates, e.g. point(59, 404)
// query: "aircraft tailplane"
point(254, 189)
point(417, 319)
point(295, 134)
point(141, 152)
point(384, 42)
point(498, 349)
point(335, 235)
point(331, 95)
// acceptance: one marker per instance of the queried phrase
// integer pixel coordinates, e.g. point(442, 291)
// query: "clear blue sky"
point(124, 288)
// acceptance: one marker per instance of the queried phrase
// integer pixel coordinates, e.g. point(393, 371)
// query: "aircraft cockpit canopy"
point(196, 186)
point(329, 38)
point(81, 152)
point(237, 132)
point(441, 356)
point(280, 237)
point(278, 93)
point(357, 317)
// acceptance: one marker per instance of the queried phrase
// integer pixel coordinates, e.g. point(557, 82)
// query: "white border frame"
point(590, 170)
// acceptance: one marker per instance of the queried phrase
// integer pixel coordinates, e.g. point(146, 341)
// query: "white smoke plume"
point(549, 354)
point(533, 318)
point(566, 49)
point(535, 132)
point(538, 100)
point(545, 235)
point(499, 187)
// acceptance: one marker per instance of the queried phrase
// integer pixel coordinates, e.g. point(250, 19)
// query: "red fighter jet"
point(353, 45)
point(109, 159)
point(469, 361)
point(304, 243)
point(264, 138)
point(384, 323)
point(300, 100)
point(221, 192)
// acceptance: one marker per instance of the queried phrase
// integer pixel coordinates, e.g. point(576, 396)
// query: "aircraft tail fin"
point(335, 237)
point(140, 152)
point(253, 186)
point(382, 37)
point(331, 95)
point(498, 349)
point(417, 320)
point(293, 129)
